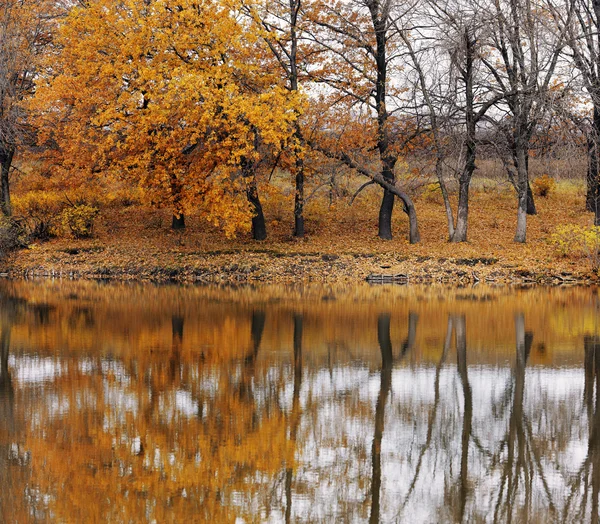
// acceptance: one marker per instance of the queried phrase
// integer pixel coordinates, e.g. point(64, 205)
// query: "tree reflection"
point(387, 360)
point(586, 484)
point(294, 418)
point(461, 360)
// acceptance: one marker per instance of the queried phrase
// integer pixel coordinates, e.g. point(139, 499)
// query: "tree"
point(169, 96)
point(24, 34)
point(522, 55)
point(281, 24)
point(579, 20)
point(360, 39)
point(459, 29)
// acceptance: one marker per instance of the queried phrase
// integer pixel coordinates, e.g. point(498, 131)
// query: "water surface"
point(141, 403)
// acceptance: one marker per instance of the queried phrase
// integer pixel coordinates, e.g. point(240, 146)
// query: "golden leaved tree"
point(171, 96)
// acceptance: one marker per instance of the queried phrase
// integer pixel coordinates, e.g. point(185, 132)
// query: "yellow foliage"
point(78, 220)
point(574, 240)
point(41, 211)
point(543, 185)
point(180, 119)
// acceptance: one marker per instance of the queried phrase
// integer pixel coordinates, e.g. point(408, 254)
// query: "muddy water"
point(139, 403)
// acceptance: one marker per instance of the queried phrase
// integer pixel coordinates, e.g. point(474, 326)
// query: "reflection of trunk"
point(589, 347)
point(383, 335)
point(409, 342)
point(433, 414)
point(594, 442)
point(257, 326)
point(176, 341)
point(461, 356)
point(520, 453)
point(6, 419)
point(295, 415)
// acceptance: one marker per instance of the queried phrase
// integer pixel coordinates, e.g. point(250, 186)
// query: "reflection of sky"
point(335, 434)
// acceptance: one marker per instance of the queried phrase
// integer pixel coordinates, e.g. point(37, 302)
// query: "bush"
point(543, 185)
point(40, 211)
point(78, 220)
point(432, 193)
point(580, 241)
point(11, 235)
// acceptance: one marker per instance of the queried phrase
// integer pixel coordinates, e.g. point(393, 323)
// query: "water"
point(139, 403)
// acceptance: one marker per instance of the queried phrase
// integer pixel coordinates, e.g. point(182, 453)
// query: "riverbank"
point(137, 243)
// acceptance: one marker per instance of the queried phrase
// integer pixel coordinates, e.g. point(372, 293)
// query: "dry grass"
point(135, 241)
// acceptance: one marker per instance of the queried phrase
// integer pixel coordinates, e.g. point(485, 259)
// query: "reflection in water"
point(384, 405)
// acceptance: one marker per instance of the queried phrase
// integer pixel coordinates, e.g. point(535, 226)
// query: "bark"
point(259, 228)
point(293, 72)
point(531, 209)
point(522, 184)
point(6, 158)
point(385, 212)
point(591, 200)
point(299, 201)
point(593, 176)
point(178, 221)
point(462, 218)
point(409, 207)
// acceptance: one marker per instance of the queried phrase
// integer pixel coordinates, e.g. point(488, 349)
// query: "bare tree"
point(361, 40)
point(579, 20)
point(460, 29)
point(522, 55)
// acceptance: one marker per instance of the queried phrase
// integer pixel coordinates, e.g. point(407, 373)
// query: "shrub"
point(40, 211)
point(580, 241)
point(78, 220)
point(11, 235)
point(543, 185)
point(432, 193)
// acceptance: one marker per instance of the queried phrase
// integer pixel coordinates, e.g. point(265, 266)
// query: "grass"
point(134, 240)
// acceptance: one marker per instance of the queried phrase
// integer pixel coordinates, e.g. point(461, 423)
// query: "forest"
point(275, 120)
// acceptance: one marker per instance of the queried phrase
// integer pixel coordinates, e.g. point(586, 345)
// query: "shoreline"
point(259, 267)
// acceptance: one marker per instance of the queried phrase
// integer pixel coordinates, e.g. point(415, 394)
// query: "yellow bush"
point(79, 220)
point(543, 185)
point(573, 240)
point(432, 193)
point(40, 211)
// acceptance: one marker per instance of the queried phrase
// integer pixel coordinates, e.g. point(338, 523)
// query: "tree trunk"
point(6, 159)
point(462, 216)
point(592, 200)
point(178, 221)
point(385, 215)
point(522, 184)
point(531, 209)
point(299, 201)
point(439, 171)
point(259, 228)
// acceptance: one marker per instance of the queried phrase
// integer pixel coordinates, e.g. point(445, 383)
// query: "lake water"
point(142, 403)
